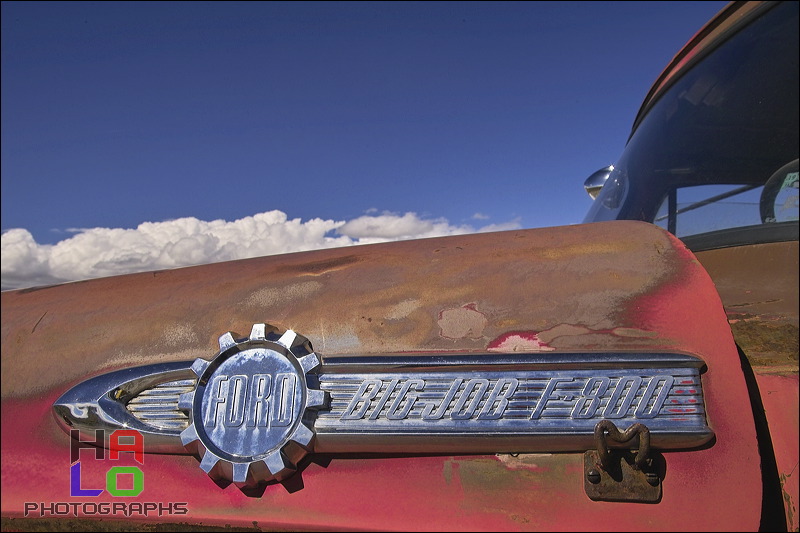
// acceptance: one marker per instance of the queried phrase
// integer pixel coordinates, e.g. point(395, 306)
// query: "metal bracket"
point(622, 475)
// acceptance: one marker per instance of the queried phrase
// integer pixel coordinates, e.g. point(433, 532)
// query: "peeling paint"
point(519, 341)
point(562, 330)
point(788, 503)
point(177, 335)
point(447, 471)
point(585, 249)
point(529, 461)
point(337, 341)
point(403, 309)
point(634, 332)
point(322, 266)
point(270, 297)
point(564, 334)
point(464, 322)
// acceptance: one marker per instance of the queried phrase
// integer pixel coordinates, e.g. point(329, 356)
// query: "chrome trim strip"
point(412, 403)
point(525, 410)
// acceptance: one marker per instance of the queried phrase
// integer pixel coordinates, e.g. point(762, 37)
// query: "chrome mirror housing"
point(595, 182)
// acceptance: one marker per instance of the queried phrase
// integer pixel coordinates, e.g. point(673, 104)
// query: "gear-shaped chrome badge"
point(250, 412)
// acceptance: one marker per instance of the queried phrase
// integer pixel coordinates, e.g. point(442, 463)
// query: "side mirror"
point(595, 182)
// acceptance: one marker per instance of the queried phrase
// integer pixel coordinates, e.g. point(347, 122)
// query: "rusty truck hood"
point(615, 287)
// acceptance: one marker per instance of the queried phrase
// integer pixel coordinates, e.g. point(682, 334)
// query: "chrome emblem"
point(263, 402)
point(250, 407)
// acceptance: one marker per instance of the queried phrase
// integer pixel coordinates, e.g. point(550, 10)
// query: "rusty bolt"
point(593, 477)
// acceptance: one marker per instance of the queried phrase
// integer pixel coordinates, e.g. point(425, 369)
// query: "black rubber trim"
point(743, 236)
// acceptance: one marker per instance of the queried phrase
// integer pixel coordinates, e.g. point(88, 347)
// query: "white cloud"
point(24, 262)
point(390, 227)
point(99, 252)
point(505, 226)
point(480, 216)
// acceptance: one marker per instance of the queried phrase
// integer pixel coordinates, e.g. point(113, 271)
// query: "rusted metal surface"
point(570, 287)
point(779, 394)
point(613, 286)
point(624, 476)
point(614, 434)
point(758, 286)
point(620, 481)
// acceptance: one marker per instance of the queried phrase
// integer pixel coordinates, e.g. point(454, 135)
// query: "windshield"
point(719, 149)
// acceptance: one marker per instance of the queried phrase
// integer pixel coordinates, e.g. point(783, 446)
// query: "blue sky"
point(347, 122)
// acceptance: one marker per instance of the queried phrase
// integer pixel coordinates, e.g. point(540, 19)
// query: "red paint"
point(517, 341)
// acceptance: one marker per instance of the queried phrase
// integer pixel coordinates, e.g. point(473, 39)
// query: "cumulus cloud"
point(100, 252)
point(505, 226)
point(390, 227)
